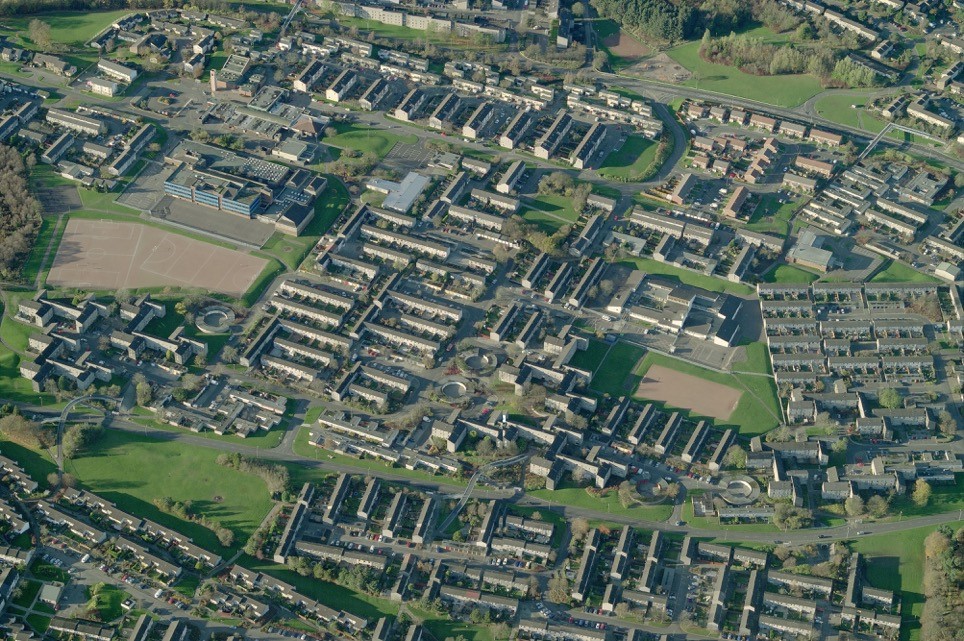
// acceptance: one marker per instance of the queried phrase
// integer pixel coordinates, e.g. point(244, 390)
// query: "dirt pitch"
point(625, 46)
point(689, 392)
point(101, 254)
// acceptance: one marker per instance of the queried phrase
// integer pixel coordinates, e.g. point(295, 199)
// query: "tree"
point(559, 589)
point(877, 506)
point(781, 434)
point(39, 32)
point(735, 457)
point(145, 394)
point(854, 506)
point(889, 398)
point(23, 432)
point(947, 423)
point(839, 446)
point(579, 528)
point(922, 493)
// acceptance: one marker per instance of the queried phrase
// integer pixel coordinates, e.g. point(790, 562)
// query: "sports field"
point(691, 392)
point(100, 254)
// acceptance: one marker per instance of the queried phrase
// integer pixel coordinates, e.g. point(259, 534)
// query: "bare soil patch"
point(662, 68)
point(625, 46)
point(689, 392)
point(103, 254)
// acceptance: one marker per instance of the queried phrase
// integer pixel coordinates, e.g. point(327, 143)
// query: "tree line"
point(19, 214)
point(757, 57)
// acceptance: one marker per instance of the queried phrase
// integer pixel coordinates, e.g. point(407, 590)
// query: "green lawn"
point(576, 496)
point(28, 592)
point(896, 562)
point(850, 110)
point(758, 408)
point(549, 212)
point(72, 28)
point(365, 139)
point(784, 91)
point(292, 250)
point(107, 602)
point(105, 201)
point(790, 274)
point(772, 217)
point(613, 374)
point(590, 358)
point(898, 272)
point(47, 233)
point(131, 470)
point(38, 622)
point(687, 276)
point(631, 160)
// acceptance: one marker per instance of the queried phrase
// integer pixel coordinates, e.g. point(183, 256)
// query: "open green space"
point(758, 409)
point(106, 601)
point(790, 274)
point(569, 494)
point(48, 572)
point(28, 592)
point(590, 358)
point(549, 212)
point(104, 201)
point(131, 470)
point(631, 160)
point(771, 216)
point(398, 32)
point(72, 28)
point(612, 375)
point(896, 562)
point(449, 629)
point(850, 110)
point(786, 90)
point(46, 235)
point(366, 139)
point(898, 272)
point(292, 250)
point(687, 276)
point(38, 622)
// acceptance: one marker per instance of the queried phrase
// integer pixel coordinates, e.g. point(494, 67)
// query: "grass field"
point(569, 494)
point(790, 274)
point(104, 201)
point(897, 563)
point(849, 109)
point(898, 272)
point(615, 368)
point(131, 470)
point(631, 160)
point(688, 277)
point(363, 139)
point(73, 28)
point(31, 267)
point(549, 212)
point(758, 408)
point(772, 217)
point(590, 358)
point(784, 91)
point(107, 601)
